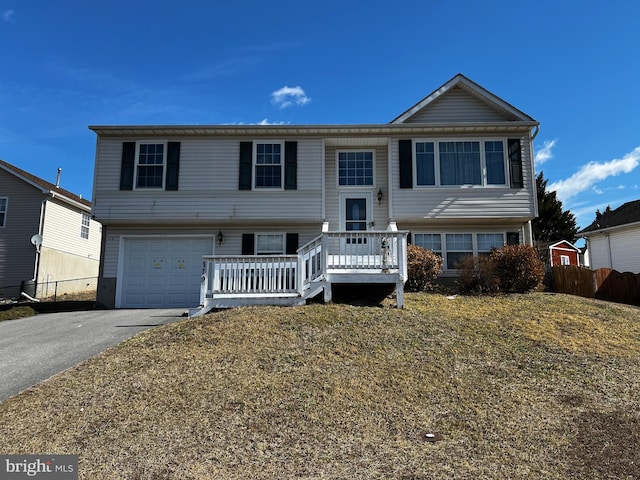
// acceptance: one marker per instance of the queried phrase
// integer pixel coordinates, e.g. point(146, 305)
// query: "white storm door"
point(356, 215)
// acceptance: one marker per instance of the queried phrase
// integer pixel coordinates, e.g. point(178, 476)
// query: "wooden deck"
point(333, 257)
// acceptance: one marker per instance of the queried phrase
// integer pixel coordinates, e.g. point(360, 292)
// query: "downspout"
point(43, 209)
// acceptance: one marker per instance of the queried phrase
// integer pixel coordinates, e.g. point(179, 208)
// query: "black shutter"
point(406, 163)
point(409, 238)
point(290, 165)
point(513, 238)
point(128, 165)
point(248, 244)
point(246, 165)
point(173, 166)
point(292, 244)
point(515, 163)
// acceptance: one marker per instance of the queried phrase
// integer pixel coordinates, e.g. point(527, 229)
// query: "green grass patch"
point(519, 386)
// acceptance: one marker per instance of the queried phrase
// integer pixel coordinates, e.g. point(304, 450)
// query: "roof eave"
point(608, 229)
point(311, 130)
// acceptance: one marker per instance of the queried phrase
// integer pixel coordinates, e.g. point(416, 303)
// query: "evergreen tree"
point(552, 224)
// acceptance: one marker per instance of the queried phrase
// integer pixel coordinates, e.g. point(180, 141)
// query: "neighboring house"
point(285, 211)
point(47, 237)
point(564, 253)
point(613, 239)
point(584, 257)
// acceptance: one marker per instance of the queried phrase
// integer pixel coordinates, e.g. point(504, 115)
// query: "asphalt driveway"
point(33, 349)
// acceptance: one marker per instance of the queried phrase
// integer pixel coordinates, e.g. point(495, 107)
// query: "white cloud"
point(593, 172)
point(289, 96)
point(545, 152)
point(7, 15)
point(265, 121)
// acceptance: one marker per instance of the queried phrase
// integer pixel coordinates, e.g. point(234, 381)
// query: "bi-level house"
point(225, 215)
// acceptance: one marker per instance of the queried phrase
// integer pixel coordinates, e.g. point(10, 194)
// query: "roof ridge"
point(43, 183)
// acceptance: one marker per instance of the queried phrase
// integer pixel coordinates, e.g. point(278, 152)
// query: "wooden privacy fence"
point(603, 284)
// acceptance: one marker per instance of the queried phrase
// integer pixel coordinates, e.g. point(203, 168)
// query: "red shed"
point(563, 253)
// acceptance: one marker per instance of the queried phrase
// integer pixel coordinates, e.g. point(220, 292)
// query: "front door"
point(356, 219)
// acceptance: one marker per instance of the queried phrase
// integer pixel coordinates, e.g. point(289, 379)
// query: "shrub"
point(477, 275)
point(518, 268)
point(423, 266)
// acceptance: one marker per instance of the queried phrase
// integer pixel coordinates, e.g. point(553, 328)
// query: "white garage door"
point(162, 272)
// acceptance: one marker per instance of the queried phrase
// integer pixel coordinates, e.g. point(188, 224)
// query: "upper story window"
point(457, 163)
point(150, 163)
point(269, 165)
point(355, 168)
point(84, 229)
point(4, 204)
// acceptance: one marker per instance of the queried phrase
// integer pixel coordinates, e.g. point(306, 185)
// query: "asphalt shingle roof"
point(623, 215)
point(43, 183)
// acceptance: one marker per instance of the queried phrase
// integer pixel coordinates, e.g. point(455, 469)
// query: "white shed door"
point(162, 272)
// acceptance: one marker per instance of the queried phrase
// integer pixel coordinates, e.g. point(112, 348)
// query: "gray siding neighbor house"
point(613, 239)
point(210, 216)
point(47, 237)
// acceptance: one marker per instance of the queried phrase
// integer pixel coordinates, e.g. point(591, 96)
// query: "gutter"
point(609, 229)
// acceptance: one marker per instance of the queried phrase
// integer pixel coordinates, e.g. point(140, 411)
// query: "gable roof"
point(623, 215)
point(460, 81)
point(564, 244)
point(43, 185)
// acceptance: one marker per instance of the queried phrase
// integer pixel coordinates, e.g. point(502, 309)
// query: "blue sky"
point(573, 66)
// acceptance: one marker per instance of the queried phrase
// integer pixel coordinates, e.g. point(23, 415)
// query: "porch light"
point(380, 196)
point(220, 237)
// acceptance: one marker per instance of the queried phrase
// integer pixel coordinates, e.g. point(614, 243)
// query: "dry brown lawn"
point(520, 386)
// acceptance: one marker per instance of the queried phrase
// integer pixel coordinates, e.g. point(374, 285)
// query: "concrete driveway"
point(33, 349)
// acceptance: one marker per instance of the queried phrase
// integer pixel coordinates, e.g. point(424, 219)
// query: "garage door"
point(162, 272)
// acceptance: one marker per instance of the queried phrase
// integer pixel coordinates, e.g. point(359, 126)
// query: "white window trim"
point(164, 163)
point(483, 161)
point(373, 166)
point(83, 226)
point(254, 165)
point(474, 239)
point(565, 260)
point(6, 209)
point(281, 234)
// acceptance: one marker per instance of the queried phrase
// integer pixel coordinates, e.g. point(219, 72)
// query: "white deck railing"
point(249, 274)
point(333, 252)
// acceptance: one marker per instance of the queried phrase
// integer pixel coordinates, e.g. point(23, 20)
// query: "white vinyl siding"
point(232, 244)
point(59, 225)
point(458, 105)
point(335, 193)
point(617, 250)
point(209, 187)
point(455, 202)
